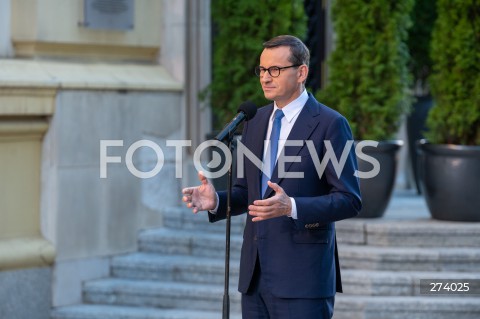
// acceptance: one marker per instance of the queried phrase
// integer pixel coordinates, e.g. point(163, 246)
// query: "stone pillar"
point(198, 75)
point(26, 256)
point(199, 65)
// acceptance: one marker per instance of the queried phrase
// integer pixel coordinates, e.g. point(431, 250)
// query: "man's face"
point(288, 85)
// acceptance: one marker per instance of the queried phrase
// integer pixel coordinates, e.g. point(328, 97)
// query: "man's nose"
point(265, 77)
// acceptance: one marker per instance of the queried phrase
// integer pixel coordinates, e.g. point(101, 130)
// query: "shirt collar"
point(293, 108)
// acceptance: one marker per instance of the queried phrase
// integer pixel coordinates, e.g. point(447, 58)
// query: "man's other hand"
point(275, 206)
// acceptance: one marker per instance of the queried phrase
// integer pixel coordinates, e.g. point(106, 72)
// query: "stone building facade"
point(65, 87)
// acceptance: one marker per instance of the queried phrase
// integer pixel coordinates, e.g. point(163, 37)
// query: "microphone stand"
point(226, 297)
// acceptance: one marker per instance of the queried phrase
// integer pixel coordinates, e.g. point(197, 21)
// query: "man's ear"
point(303, 74)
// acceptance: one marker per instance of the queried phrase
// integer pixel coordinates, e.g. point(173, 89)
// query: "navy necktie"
point(271, 156)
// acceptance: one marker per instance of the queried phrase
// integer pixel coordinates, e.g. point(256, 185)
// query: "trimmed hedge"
point(455, 81)
point(240, 29)
point(369, 79)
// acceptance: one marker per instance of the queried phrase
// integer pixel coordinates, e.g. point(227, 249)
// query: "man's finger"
point(256, 213)
point(257, 209)
point(202, 178)
point(263, 202)
point(259, 216)
point(188, 190)
point(275, 187)
point(260, 209)
point(258, 219)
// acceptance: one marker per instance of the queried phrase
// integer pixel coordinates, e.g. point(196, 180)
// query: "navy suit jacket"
point(298, 257)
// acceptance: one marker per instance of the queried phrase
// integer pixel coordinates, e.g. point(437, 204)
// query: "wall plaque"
point(109, 14)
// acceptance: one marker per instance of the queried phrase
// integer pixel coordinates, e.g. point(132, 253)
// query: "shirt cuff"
point(214, 211)
point(293, 213)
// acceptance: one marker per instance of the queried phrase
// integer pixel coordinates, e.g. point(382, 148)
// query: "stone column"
point(25, 255)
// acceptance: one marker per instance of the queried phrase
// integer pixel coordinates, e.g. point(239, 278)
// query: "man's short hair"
point(299, 51)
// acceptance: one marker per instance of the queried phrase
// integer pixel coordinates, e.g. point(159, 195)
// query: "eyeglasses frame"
point(259, 69)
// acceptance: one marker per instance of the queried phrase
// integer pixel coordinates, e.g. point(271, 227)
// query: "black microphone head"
point(249, 108)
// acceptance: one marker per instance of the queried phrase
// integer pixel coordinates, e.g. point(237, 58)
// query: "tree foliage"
point(240, 29)
point(455, 81)
point(369, 78)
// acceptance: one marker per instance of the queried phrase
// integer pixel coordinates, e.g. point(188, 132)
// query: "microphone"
point(246, 111)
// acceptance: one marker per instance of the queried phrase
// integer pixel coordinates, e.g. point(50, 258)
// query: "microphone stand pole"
point(226, 297)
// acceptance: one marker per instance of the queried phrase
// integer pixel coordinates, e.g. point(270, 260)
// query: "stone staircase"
point(383, 261)
point(178, 271)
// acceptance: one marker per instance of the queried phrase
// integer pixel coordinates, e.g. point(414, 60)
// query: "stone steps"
point(399, 307)
point(377, 232)
point(204, 297)
point(178, 271)
point(147, 293)
point(196, 243)
point(187, 242)
point(408, 233)
point(411, 259)
point(123, 312)
point(346, 307)
point(395, 283)
point(177, 268)
point(205, 270)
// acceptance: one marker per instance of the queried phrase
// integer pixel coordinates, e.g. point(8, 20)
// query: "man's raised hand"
point(201, 197)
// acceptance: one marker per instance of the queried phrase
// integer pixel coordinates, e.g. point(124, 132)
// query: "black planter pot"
point(376, 191)
point(450, 180)
point(415, 128)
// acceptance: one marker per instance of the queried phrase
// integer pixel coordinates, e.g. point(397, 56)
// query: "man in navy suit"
point(289, 264)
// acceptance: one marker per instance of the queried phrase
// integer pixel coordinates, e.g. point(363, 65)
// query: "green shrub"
point(423, 17)
point(368, 74)
point(240, 29)
point(455, 81)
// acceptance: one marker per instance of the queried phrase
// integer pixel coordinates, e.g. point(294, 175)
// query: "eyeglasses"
point(274, 71)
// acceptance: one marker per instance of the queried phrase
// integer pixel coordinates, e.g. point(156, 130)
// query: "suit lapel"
point(303, 128)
